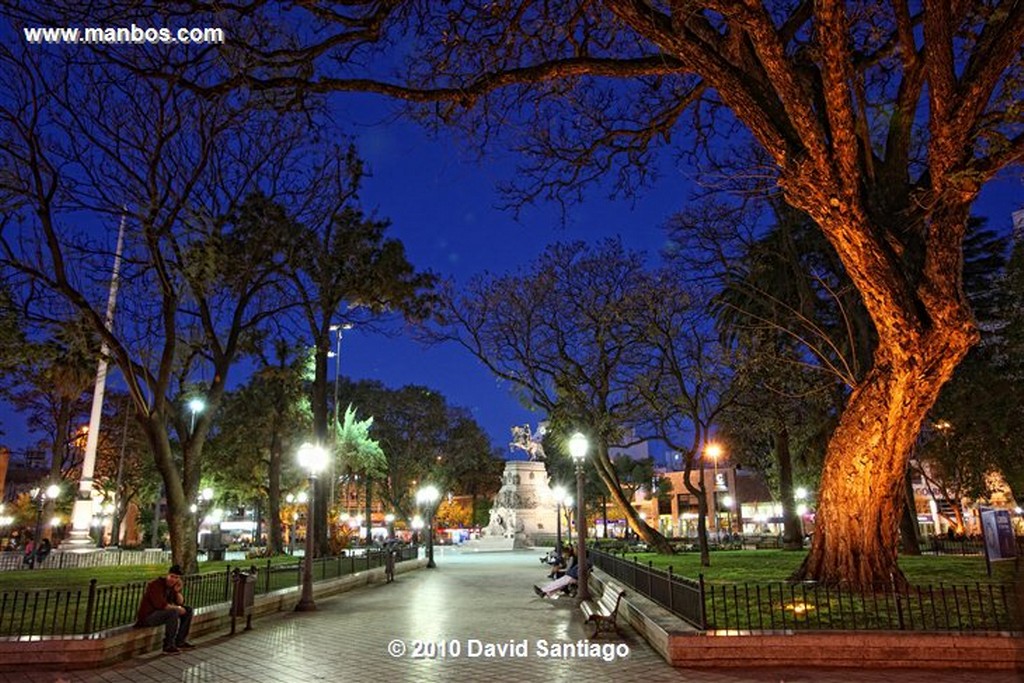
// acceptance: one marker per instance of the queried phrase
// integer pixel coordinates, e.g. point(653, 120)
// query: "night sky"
point(442, 205)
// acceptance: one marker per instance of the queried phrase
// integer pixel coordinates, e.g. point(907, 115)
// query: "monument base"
point(489, 544)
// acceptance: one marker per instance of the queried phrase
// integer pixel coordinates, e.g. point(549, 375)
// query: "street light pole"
point(195, 405)
point(337, 329)
point(578, 447)
point(41, 495)
point(559, 494)
point(714, 451)
point(312, 458)
point(427, 496)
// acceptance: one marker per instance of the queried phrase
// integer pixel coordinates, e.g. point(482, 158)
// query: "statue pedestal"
point(523, 508)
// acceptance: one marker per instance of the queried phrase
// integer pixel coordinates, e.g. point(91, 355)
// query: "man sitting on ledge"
point(162, 603)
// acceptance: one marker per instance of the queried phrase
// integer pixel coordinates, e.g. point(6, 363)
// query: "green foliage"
point(356, 451)
point(424, 440)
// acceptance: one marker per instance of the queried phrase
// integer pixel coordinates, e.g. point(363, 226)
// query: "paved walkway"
point(473, 603)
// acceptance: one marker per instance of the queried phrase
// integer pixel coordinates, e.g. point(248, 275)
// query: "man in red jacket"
point(162, 603)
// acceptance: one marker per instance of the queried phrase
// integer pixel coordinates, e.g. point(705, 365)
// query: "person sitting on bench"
point(551, 590)
point(564, 564)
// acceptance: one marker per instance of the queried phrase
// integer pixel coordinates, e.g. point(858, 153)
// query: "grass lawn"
point(111, 576)
point(761, 566)
point(747, 589)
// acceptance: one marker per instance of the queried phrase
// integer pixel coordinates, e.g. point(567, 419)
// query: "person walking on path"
point(163, 604)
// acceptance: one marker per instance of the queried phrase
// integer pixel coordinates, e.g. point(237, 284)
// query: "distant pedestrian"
point(389, 562)
point(43, 551)
point(163, 604)
point(30, 554)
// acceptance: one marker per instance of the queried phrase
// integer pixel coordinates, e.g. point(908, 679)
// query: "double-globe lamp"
point(427, 497)
point(313, 459)
point(578, 447)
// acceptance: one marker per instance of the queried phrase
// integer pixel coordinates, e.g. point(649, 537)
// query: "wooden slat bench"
point(603, 611)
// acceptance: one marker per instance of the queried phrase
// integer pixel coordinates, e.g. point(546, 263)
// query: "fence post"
point(899, 605)
point(703, 603)
point(671, 592)
point(227, 583)
point(267, 583)
point(90, 606)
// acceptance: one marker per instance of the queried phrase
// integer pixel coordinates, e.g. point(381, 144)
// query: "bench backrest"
point(609, 600)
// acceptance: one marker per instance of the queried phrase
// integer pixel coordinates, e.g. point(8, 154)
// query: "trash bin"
point(243, 597)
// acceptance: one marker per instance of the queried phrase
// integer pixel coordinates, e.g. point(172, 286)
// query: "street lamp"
point(312, 458)
point(427, 496)
point(196, 406)
point(714, 451)
point(41, 495)
point(578, 447)
point(559, 494)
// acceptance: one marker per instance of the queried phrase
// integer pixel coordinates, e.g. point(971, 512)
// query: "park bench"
point(603, 611)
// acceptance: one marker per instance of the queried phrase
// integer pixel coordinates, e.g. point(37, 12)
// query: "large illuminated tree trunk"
point(862, 487)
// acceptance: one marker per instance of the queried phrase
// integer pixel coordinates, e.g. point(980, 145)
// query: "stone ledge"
point(66, 653)
point(682, 645)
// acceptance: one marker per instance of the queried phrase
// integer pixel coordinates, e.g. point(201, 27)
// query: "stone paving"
point(473, 618)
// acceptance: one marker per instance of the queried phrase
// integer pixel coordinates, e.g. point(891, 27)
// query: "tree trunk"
point(653, 538)
point(58, 451)
point(180, 490)
point(909, 542)
point(792, 530)
point(862, 486)
point(321, 433)
point(700, 493)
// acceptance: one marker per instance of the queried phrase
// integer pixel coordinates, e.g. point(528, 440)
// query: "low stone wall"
point(66, 653)
point(682, 645)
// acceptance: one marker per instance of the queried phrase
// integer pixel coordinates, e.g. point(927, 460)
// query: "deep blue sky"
point(441, 202)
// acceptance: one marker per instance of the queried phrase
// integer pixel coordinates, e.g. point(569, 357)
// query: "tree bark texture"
point(862, 487)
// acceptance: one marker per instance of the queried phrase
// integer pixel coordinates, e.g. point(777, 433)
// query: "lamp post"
point(427, 496)
point(567, 504)
point(578, 447)
point(714, 451)
point(205, 496)
point(41, 495)
point(312, 458)
point(338, 330)
point(195, 406)
point(559, 494)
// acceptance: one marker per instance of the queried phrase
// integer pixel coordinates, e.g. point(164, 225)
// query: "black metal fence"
point(54, 612)
point(809, 606)
point(681, 596)
point(115, 557)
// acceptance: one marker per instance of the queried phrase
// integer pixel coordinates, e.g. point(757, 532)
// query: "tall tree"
point(252, 453)
point(203, 249)
point(362, 455)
